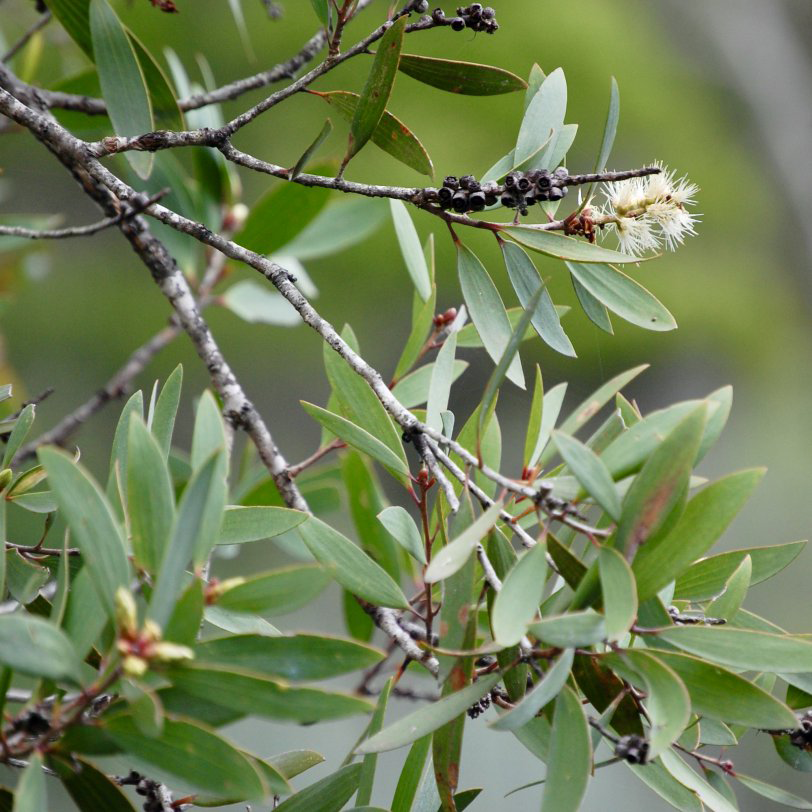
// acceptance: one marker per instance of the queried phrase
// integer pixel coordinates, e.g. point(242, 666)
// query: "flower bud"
point(126, 611)
point(134, 666)
point(6, 475)
point(152, 631)
point(166, 652)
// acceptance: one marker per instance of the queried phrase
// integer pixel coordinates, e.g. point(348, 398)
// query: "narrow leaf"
point(327, 795)
point(590, 471)
point(166, 409)
point(466, 78)
point(442, 377)
point(517, 603)
point(19, 433)
point(572, 630)
point(562, 247)
point(276, 592)
point(33, 646)
point(30, 795)
point(403, 529)
point(619, 593)
point(311, 150)
point(411, 249)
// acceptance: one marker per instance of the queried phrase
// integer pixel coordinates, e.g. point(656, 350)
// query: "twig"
point(295, 470)
point(387, 620)
point(23, 40)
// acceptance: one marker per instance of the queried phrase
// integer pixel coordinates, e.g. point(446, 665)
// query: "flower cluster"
point(650, 212)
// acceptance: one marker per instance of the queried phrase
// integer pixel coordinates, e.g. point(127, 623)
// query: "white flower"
point(647, 213)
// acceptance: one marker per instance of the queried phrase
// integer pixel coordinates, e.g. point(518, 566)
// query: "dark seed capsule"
point(510, 180)
point(556, 193)
point(444, 195)
point(422, 6)
point(457, 24)
point(560, 173)
point(477, 201)
point(542, 194)
point(488, 13)
point(460, 201)
point(490, 199)
point(467, 181)
point(508, 201)
point(438, 15)
point(451, 182)
point(543, 180)
point(523, 184)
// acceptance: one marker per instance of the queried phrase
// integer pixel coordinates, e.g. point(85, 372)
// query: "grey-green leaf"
point(619, 593)
point(33, 646)
point(562, 247)
point(327, 795)
point(402, 528)
point(411, 249)
point(19, 433)
point(518, 600)
point(590, 471)
point(255, 523)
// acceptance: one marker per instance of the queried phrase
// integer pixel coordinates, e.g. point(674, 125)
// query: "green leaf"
point(623, 295)
point(429, 718)
point(570, 761)
point(192, 752)
point(257, 694)
point(411, 249)
point(590, 471)
point(299, 166)
point(375, 95)
point(337, 227)
point(276, 592)
point(30, 795)
point(256, 304)
point(667, 702)
point(552, 403)
point(610, 128)
point(295, 762)
point(256, 523)
point(709, 796)
point(75, 18)
point(321, 7)
point(209, 431)
point(487, 310)
point(90, 789)
point(402, 528)
point(413, 389)
point(350, 566)
point(720, 694)
point(370, 760)
point(571, 630)
point(442, 376)
point(23, 577)
point(661, 484)
point(454, 555)
point(773, 793)
point(280, 215)
point(327, 795)
point(705, 518)
point(165, 111)
point(358, 438)
point(466, 78)
point(742, 648)
point(122, 81)
point(94, 528)
point(150, 498)
point(166, 409)
point(542, 694)
point(659, 780)
point(544, 114)
point(562, 247)
point(619, 593)
point(706, 578)
point(525, 280)
point(34, 646)
point(534, 419)
point(293, 657)
point(195, 521)
point(19, 433)
point(593, 309)
point(118, 453)
point(409, 780)
point(729, 602)
point(517, 603)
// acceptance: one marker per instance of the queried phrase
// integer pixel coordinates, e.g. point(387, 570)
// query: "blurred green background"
point(718, 91)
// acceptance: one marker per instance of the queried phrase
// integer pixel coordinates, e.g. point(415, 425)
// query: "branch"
point(23, 40)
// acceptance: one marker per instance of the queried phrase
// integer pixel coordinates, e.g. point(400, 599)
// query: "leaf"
point(571, 630)
point(19, 433)
point(280, 215)
point(453, 556)
point(429, 718)
point(413, 389)
point(729, 602)
point(311, 150)
point(150, 498)
point(194, 521)
point(659, 780)
point(237, 623)
point(118, 453)
point(255, 523)
point(375, 95)
point(709, 796)
point(619, 593)
point(90, 789)
point(593, 309)
point(610, 128)
point(544, 114)
point(295, 762)
point(720, 694)
point(257, 694)
point(192, 752)
point(75, 18)
point(409, 779)
point(705, 518)
point(30, 795)
point(743, 648)
point(525, 280)
point(707, 577)
point(402, 528)
point(321, 7)
point(623, 295)
point(256, 304)
point(465, 78)
point(411, 249)
point(562, 247)
point(350, 566)
point(209, 433)
point(122, 81)
point(94, 528)
point(33, 646)
point(773, 793)
point(327, 795)
point(165, 111)
point(667, 702)
point(442, 376)
point(276, 592)
point(487, 310)
point(517, 602)
point(553, 400)
point(370, 760)
point(570, 759)
point(540, 696)
point(661, 484)
point(590, 471)
point(166, 409)
point(358, 438)
point(23, 577)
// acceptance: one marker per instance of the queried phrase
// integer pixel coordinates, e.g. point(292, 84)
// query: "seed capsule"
point(477, 201)
point(460, 201)
point(457, 24)
point(556, 193)
point(445, 194)
point(467, 182)
point(451, 182)
point(510, 180)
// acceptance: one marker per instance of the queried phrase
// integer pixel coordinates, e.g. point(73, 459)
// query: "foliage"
point(573, 600)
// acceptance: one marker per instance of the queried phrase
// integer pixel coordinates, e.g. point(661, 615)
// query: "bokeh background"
point(719, 91)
